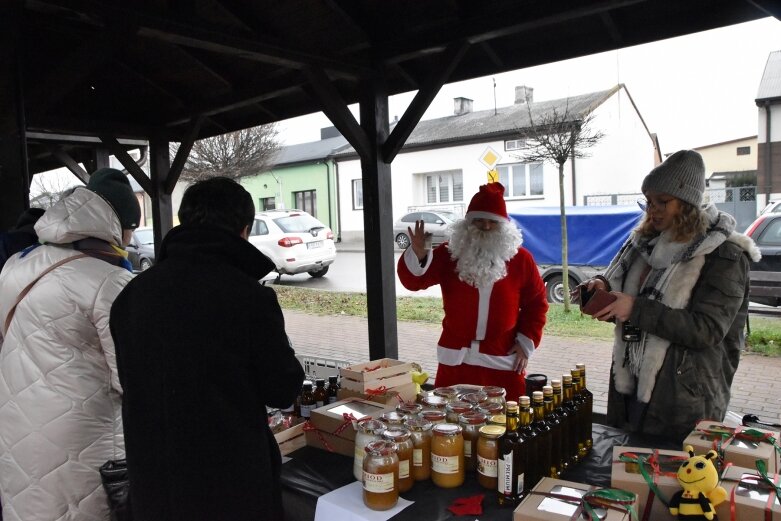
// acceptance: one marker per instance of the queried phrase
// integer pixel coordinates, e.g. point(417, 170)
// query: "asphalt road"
point(348, 273)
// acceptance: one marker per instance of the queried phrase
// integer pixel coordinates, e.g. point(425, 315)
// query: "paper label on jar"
point(505, 474)
point(486, 467)
point(360, 452)
point(417, 457)
point(467, 450)
point(444, 464)
point(377, 482)
point(520, 483)
point(306, 410)
point(403, 468)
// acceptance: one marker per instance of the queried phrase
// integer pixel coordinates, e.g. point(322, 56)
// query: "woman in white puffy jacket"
point(60, 398)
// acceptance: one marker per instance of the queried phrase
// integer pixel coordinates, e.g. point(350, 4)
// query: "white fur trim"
point(485, 215)
point(413, 263)
point(482, 310)
point(526, 343)
point(747, 244)
point(472, 356)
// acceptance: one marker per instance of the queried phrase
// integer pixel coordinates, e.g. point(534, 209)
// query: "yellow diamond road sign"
point(490, 157)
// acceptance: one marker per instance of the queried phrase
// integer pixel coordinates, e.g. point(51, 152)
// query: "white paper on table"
point(346, 504)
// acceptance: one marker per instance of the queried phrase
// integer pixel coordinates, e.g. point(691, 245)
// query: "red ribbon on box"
point(309, 426)
point(761, 478)
point(654, 462)
point(724, 436)
point(609, 498)
point(348, 421)
point(382, 390)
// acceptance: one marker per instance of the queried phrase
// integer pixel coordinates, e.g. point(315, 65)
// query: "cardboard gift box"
point(741, 446)
point(323, 440)
point(660, 466)
point(553, 499)
point(749, 494)
point(384, 373)
point(338, 418)
point(392, 396)
point(291, 439)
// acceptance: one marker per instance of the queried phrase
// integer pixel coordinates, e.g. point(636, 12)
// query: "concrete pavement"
point(755, 390)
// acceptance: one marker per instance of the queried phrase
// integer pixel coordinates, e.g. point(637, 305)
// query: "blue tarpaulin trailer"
point(595, 233)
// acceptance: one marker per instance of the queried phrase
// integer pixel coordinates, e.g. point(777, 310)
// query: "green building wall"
point(319, 177)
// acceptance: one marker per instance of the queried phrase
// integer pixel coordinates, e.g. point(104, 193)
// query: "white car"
point(295, 242)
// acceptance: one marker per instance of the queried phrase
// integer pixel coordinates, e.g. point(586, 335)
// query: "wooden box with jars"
point(370, 376)
point(333, 427)
point(406, 392)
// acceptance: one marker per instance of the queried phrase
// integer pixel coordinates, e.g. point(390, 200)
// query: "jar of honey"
point(487, 455)
point(409, 409)
point(491, 408)
point(368, 431)
point(495, 394)
point(393, 418)
point(433, 415)
point(447, 456)
point(498, 419)
point(433, 401)
point(475, 398)
point(450, 394)
point(470, 423)
point(454, 409)
point(402, 437)
point(380, 475)
point(420, 430)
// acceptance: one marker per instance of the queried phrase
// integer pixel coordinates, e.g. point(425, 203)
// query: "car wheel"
point(318, 274)
point(403, 241)
point(554, 288)
point(145, 264)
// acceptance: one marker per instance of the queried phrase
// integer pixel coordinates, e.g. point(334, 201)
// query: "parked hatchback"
point(766, 232)
point(295, 241)
point(436, 223)
point(141, 249)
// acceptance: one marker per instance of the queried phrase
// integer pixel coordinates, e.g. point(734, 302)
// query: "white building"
point(440, 165)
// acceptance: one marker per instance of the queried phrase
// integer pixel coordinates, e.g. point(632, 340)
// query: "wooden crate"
point(376, 374)
point(291, 439)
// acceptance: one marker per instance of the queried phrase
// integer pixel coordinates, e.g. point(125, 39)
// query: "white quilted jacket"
point(60, 398)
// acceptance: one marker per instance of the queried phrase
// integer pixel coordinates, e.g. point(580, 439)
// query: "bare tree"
point(556, 136)
point(234, 154)
point(48, 189)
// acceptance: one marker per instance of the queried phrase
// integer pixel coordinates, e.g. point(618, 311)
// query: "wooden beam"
point(118, 151)
point(336, 109)
point(162, 208)
point(68, 162)
point(423, 99)
point(181, 155)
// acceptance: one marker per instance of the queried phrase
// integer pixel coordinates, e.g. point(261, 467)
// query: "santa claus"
point(492, 293)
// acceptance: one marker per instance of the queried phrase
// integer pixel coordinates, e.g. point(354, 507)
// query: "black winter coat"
point(201, 349)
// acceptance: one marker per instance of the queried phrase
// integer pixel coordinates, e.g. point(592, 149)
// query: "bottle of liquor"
point(530, 438)
point(589, 404)
point(320, 394)
point(572, 413)
point(563, 417)
point(307, 400)
point(554, 422)
point(511, 460)
point(545, 465)
point(333, 388)
point(580, 405)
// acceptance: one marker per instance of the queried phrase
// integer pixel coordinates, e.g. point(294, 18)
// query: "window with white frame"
point(521, 179)
point(444, 187)
point(357, 194)
point(514, 144)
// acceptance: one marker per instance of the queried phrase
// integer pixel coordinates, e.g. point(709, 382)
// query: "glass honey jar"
point(476, 398)
point(487, 455)
point(450, 394)
point(393, 418)
point(447, 455)
point(409, 409)
point(401, 437)
point(420, 430)
point(368, 431)
point(470, 423)
point(456, 408)
point(491, 408)
point(495, 394)
point(433, 415)
point(380, 475)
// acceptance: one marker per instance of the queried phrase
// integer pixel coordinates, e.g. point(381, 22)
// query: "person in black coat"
point(21, 235)
point(201, 350)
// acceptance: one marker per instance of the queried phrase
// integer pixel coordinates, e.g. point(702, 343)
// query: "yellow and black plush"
point(701, 493)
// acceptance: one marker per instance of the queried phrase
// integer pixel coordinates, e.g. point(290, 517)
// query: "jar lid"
point(446, 392)
point(409, 408)
point(418, 424)
point(492, 431)
point(380, 447)
point(498, 419)
point(371, 426)
point(437, 402)
point(460, 407)
point(396, 434)
point(475, 398)
point(472, 418)
point(433, 414)
point(447, 429)
point(493, 390)
point(393, 416)
point(491, 408)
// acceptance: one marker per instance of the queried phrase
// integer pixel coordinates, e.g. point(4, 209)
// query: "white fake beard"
point(481, 256)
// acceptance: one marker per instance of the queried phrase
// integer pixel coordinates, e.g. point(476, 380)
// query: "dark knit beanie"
point(113, 186)
point(681, 175)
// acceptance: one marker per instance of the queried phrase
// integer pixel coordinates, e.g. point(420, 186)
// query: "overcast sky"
point(691, 91)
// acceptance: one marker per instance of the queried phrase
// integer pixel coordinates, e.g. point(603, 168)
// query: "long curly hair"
point(687, 224)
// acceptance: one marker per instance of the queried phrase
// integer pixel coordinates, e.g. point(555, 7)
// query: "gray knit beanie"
point(681, 175)
point(113, 186)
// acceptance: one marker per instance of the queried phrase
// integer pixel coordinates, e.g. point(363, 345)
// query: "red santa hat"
point(488, 203)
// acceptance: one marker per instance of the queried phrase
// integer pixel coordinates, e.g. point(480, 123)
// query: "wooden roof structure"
point(82, 79)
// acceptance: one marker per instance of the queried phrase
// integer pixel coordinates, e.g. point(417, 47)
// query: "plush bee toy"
point(701, 493)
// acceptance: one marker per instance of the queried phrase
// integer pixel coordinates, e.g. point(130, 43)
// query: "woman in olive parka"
point(681, 282)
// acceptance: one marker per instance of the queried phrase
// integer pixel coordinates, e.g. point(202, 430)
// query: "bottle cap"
point(307, 386)
point(547, 390)
point(524, 401)
point(555, 383)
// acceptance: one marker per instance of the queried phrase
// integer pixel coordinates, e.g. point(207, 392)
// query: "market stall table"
point(311, 473)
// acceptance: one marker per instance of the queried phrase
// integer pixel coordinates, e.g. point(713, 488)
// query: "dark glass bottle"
point(554, 422)
point(320, 394)
point(561, 413)
point(529, 436)
point(511, 460)
point(333, 388)
point(589, 404)
point(545, 465)
point(572, 413)
point(307, 400)
point(580, 405)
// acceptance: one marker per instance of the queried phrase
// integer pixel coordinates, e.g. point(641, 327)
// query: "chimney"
point(462, 106)
point(523, 94)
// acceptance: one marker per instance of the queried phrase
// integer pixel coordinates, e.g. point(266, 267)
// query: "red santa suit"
point(482, 324)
